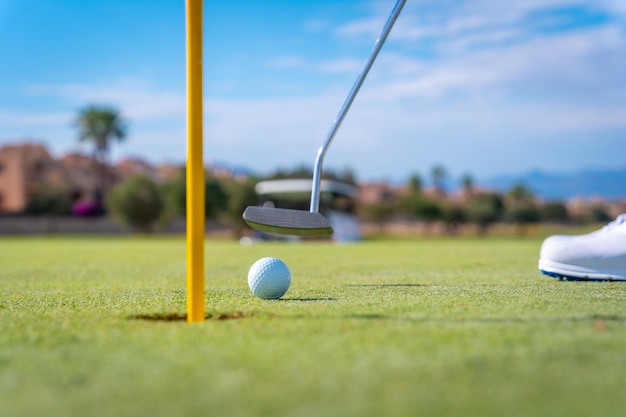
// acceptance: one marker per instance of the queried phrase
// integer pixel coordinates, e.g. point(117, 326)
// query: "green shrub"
point(597, 214)
point(215, 196)
point(47, 200)
point(136, 202)
point(380, 213)
point(554, 211)
point(241, 195)
point(484, 210)
point(422, 208)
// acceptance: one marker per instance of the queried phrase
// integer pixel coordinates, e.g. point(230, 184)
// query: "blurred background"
point(476, 113)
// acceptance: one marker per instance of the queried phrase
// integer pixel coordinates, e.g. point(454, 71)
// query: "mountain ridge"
point(586, 183)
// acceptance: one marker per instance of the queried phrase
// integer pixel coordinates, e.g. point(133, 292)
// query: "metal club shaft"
point(319, 160)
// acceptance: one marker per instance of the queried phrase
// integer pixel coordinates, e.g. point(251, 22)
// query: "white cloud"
point(340, 66)
point(370, 27)
point(569, 64)
point(156, 116)
point(136, 99)
point(287, 62)
point(471, 22)
point(530, 102)
point(316, 25)
point(14, 120)
point(468, 85)
point(491, 96)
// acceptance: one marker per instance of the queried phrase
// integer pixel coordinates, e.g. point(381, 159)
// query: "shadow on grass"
point(598, 321)
point(183, 317)
point(386, 285)
point(308, 299)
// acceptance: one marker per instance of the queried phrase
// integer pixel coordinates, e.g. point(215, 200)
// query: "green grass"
point(431, 327)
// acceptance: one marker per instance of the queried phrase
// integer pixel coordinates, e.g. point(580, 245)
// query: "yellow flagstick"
point(195, 165)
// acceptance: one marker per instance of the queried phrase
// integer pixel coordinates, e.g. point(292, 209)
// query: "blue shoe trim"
point(562, 277)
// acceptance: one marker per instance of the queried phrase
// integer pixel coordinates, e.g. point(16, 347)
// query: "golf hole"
point(183, 317)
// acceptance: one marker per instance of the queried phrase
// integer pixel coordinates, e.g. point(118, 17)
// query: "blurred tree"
point(215, 196)
point(439, 176)
point(519, 193)
point(380, 213)
point(523, 213)
point(422, 208)
point(304, 172)
point(467, 184)
point(521, 208)
point(137, 202)
point(347, 176)
point(100, 125)
point(49, 200)
point(175, 195)
point(415, 184)
point(554, 211)
point(453, 215)
point(598, 214)
point(241, 195)
point(299, 172)
point(484, 210)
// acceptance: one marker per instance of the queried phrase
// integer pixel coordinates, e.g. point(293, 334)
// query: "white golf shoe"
point(596, 256)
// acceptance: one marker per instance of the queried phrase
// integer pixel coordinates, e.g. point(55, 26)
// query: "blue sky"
point(481, 87)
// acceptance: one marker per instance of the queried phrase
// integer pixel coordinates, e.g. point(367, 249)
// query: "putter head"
point(287, 221)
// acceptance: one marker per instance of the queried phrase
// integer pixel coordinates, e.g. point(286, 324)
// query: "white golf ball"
point(269, 278)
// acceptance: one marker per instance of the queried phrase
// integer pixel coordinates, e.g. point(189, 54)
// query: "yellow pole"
point(195, 165)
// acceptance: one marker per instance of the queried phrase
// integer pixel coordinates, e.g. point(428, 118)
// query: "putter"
point(312, 222)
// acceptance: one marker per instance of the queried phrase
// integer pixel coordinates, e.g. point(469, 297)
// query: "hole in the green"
point(183, 317)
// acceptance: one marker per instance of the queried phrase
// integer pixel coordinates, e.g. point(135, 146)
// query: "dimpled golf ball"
point(269, 278)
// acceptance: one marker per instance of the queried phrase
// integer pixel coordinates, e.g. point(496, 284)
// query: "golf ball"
point(269, 278)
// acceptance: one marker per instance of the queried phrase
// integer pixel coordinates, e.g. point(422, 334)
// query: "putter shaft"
point(312, 223)
point(319, 160)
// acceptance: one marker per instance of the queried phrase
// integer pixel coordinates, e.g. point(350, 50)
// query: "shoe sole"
point(562, 277)
point(574, 273)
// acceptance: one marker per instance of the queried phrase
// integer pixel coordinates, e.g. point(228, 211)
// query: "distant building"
point(23, 168)
point(84, 173)
point(27, 167)
point(134, 166)
point(376, 192)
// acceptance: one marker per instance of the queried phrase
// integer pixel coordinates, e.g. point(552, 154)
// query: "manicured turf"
point(430, 327)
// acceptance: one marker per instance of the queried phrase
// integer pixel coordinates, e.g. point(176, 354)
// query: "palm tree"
point(521, 207)
point(100, 125)
point(439, 176)
point(467, 183)
point(519, 193)
point(415, 184)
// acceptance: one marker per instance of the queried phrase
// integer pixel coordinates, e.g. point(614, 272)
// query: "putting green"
point(442, 326)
